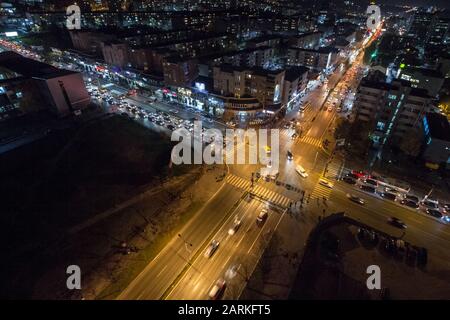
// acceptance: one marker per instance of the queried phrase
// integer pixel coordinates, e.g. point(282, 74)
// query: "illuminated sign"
point(200, 86)
point(277, 94)
point(11, 34)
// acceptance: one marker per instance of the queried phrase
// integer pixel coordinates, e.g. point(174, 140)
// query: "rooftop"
point(294, 73)
point(439, 126)
point(30, 68)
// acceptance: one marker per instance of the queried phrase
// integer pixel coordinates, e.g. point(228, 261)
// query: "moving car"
point(325, 183)
point(301, 171)
point(396, 222)
point(289, 155)
point(218, 289)
point(211, 248)
point(236, 224)
point(354, 198)
point(262, 216)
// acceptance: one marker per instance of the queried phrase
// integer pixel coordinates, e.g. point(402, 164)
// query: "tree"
point(411, 143)
point(342, 129)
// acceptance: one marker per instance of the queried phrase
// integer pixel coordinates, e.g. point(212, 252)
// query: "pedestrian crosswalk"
point(305, 139)
point(271, 196)
point(334, 169)
point(311, 141)
point(320, 192)
point(238, 182)
point(259, 191)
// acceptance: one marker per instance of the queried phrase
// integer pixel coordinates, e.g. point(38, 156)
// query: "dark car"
point(410, 203)
point(412, 198)
point(371, 181)
point(349, 180)
point(368, 188)
point(430, 204)
point(289, 155)
point(396, 222)
point(352, 175)
point(434, 213)
point(388, 195)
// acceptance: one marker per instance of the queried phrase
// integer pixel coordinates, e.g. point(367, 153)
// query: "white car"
point(325, 183)
point(262, 216)
point(217, 290)
point(235, 227)
point(211, 248)
point(301, 171)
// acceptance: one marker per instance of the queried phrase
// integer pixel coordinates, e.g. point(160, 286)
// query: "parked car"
point(349, 180)
point(388, 195)
point(434, 213)
point(367, 188)
point(410, 203)
point(371, 181)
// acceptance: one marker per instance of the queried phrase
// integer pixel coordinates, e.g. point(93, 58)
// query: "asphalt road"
point(195, 279)
point(154, 280)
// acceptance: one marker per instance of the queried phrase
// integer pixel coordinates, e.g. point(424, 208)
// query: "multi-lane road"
point(181, 271)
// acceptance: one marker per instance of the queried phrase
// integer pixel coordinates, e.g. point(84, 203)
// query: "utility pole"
point(187, 244)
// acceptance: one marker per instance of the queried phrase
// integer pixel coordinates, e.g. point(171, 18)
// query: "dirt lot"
point(76, 196)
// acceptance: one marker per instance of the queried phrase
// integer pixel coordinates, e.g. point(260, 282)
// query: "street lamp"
point(187, 244)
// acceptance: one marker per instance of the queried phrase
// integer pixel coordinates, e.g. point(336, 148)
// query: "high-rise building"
point(391, 108)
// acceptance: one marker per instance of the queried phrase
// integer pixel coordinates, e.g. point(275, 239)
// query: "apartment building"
point(242, 82)
point(391, 108)
point(318, 60)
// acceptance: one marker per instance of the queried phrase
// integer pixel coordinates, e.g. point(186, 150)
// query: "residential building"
point(393, 109)
point(60, 91)
point(428, 79)
point(295, 81)
point(179, 72)
point(436, 131)
point(317, 60)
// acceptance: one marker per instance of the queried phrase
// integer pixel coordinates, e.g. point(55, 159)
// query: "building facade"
point(392, 110)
